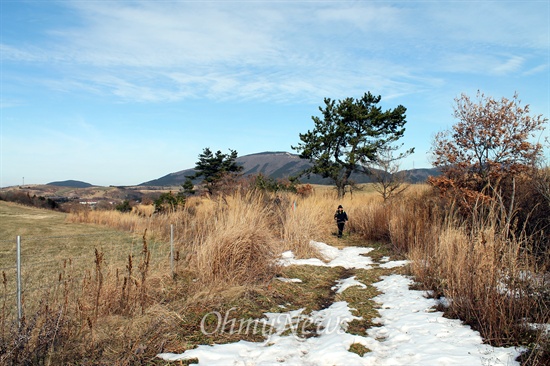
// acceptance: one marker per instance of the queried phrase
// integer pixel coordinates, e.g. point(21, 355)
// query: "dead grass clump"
point(144, 210)
point(239, 246)
point(111, 218)
point(36, 337)
point(305, 220)
point(412, 220)
point(106, 316)
point(402, 221)
point(242, 254)
point(370, 221)
point(122, 292)
point(311, 217)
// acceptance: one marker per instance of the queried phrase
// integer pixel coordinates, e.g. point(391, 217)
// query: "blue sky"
point(122, 92)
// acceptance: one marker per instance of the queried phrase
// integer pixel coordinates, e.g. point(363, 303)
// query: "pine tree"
point(350, 133)
point(213, 167)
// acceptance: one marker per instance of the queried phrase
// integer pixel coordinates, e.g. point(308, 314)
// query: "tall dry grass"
point(234, 241)
point(234, 238)
point(482, 264)
point(122, 314)
point(227, 227)
point(74, 313)
point(370, 218)
point(306, 219)
point(401, 221)
point(236, 245)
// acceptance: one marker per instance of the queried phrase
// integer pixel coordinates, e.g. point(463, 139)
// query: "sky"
point(410, 331)
point(123, 92)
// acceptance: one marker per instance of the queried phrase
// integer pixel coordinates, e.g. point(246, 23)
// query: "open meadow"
point(101, 287)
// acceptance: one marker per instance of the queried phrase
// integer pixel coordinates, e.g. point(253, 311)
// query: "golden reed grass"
point(490, 280)
point(238, 246)
point(234, 241)
point(480, 264)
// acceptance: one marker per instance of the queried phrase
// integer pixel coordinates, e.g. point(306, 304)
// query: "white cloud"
point(511, 65)
point(482, 64)
point(10, 103)
point(281, 51)
point(536, 70)
point(168, 34)
point(16, 53)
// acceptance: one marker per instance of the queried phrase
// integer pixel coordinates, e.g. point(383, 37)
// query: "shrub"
point(124, 206)
point(169, 202)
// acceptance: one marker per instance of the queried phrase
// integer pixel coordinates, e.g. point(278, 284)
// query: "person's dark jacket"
point(341, 216)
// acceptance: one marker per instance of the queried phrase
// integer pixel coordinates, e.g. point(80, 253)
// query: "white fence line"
point(18, 259)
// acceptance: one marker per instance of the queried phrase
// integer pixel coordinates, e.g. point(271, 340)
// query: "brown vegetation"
point(226, 251)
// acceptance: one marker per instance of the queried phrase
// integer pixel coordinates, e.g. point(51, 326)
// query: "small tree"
point(388, 181)
point(214, 167)
point(350, 132)
point(489, 143)
point(169, 202)
point(188, 188)
point(263, 183)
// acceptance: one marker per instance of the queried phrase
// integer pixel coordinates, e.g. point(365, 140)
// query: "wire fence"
point(46, 263)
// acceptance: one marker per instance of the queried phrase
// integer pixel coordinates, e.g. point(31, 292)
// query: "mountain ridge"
point(281, 165)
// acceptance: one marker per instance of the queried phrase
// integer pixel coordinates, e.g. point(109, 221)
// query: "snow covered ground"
point(411, 332)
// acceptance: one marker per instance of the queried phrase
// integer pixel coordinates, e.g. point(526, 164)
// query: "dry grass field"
point(108, 294)
point(122, 290)
point(96, 192)
point(51, 246)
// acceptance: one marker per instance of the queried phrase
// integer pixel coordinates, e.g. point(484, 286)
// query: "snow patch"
point(411, 332)
point(394, 264)
point(344, 284)
point(282, 279)
point(348, 257)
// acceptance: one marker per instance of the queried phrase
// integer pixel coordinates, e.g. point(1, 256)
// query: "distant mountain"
point(420, 175)
point(70, 183)
point(278, 165)
point(271, 164)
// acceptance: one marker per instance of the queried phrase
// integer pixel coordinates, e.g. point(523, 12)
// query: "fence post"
point(18, 254)
point(172, 249)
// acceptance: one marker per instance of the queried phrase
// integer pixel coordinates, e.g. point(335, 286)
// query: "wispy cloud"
point(482, 64)
point(10, 103)
point(92, 81)
point(537, 69)
point(510, 65)
point(281, 51)
point(168, 34)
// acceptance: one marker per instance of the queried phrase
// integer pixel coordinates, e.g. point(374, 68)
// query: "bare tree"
point(541, 178)
point(388, 181)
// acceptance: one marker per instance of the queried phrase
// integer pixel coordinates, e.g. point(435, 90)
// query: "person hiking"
point(340, 217)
